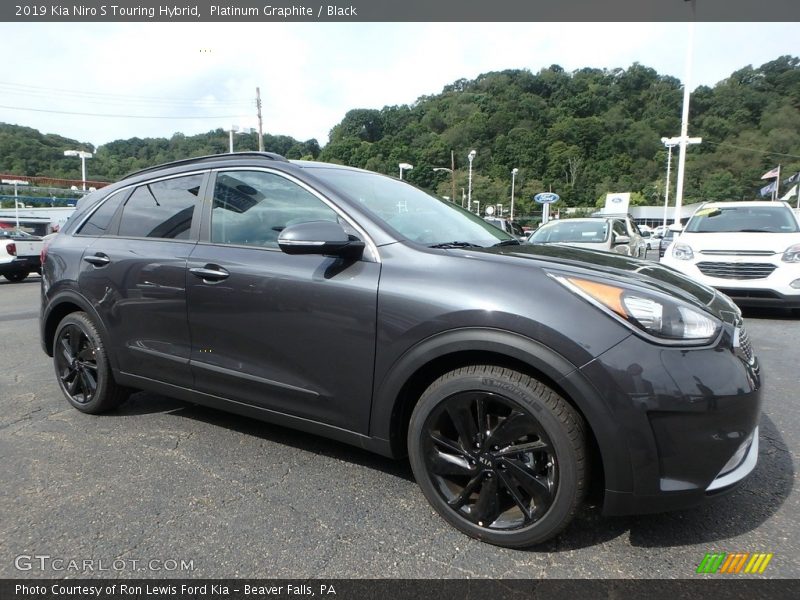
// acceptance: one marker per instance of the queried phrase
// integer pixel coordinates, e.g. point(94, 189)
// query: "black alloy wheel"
point(76, 363)
point(490, 461)
point(488, 465)
point(82, 368)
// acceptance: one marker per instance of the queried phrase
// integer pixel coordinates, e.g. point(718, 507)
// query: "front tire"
point(499, 455)
point(82, 368)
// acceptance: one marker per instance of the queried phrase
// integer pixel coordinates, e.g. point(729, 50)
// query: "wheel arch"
point(400, 390)
point(67, 303)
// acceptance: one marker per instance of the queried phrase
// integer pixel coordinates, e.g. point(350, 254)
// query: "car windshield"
point(733, 219)
point(572, 232)
point(413, 213)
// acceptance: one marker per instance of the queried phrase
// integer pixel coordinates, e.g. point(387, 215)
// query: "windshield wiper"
point(508, 243)
point(455, 244)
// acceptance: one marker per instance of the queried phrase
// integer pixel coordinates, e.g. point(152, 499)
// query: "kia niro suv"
point(352, 305)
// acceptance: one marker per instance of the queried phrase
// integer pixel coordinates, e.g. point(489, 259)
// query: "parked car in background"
point(350, 304)
point(667, 238)
point(749, 250)
point(19, 254)
point(508, 226)
point(651, 241)
point(599, 234)
point(637, 241)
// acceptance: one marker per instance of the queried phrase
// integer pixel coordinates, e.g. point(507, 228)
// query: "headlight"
point(792, 254)
point(682, 251)
point(658, 315)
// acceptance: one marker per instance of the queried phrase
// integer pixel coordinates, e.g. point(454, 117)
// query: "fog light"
point(738, 457)
point(795, 284)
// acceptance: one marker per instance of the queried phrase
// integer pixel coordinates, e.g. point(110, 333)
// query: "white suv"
point(748, 250)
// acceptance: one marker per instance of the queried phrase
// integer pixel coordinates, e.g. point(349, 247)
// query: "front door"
point(293, 334)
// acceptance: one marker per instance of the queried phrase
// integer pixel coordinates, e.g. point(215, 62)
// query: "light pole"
point(15, 183)
point(238, 131)
point(684, 139)
point(404, 167)
point(471, 157)
point(83, 156)
point(452, 177)
point(513, 178)
point(670, 143)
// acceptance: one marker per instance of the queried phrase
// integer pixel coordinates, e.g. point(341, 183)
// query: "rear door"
point(293, 334)
point(135, 274)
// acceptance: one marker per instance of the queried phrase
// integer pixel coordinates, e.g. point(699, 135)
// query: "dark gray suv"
point(356, 306)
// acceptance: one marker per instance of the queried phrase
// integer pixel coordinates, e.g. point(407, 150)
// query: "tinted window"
point(99, 221)
point(251, 208)
point(162, 209)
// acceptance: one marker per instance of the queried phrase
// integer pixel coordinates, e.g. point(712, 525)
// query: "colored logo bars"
point(735, 562)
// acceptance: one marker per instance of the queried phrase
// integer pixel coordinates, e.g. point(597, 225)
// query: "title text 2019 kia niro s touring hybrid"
point(355, 306)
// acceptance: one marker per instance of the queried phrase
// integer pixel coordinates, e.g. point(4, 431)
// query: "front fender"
point(387, 410)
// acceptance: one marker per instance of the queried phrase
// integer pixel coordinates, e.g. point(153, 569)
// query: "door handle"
point(98, 260)
point(210, 273)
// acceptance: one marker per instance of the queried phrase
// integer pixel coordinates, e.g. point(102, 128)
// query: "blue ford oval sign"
point(546, 198)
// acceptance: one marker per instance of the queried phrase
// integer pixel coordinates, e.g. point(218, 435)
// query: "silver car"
point(609, 235)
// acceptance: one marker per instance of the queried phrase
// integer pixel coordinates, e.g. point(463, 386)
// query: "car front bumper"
point(688, 418)
point(773, 290)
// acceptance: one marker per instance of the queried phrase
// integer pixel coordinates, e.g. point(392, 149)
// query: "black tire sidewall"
point(569, 491)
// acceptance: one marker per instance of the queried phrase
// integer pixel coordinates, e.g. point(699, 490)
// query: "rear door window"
point(161, 209)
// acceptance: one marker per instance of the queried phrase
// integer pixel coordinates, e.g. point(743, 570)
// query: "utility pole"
point(260, 122)
point(453, 173)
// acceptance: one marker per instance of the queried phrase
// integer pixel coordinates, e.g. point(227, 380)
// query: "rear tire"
point(82, 368)
point(499, 455)
point(16, 277)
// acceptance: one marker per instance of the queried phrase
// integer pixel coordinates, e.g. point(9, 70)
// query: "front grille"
point(738, 252)
point(736, 270)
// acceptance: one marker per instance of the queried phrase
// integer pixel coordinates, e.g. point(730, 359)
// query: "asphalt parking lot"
point(162, 480)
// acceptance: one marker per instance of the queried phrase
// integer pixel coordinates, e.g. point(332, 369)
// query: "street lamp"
point(238, 131)
point(452, 179)
point(513, 178)
point(83, 156)
point(404, 167)
point(471, 157)
point(15, 183)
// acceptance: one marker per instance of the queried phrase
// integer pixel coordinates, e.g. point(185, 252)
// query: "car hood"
point(740, 242)
point(595, 263)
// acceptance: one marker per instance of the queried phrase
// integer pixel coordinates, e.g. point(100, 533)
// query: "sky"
point(155, 79)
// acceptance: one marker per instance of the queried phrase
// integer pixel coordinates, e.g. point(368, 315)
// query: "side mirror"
point(319, 237)
point(622, 239)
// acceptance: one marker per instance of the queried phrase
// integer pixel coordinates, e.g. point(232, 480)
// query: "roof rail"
point(199, 159)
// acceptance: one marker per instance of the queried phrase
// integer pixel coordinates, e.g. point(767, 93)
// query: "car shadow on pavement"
point(728, 516)
point(147, 403)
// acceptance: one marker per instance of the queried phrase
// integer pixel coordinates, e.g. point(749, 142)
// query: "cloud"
point(311, 74)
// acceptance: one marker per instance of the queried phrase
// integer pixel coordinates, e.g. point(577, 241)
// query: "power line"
point(33, 90)
point(86, 114)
